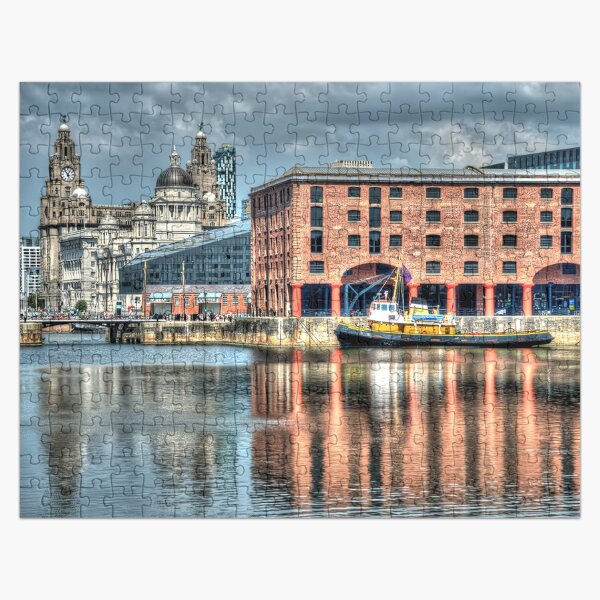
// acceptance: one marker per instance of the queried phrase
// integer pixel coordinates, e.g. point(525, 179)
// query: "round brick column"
point(336, 305)
point(296, 299)
point(527, 299)
point(451, 298)
point(488, 299)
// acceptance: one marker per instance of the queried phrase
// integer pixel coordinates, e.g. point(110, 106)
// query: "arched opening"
point(360, 285)
point(556, 290)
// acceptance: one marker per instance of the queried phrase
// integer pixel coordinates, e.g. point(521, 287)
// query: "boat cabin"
point(384, 310)
point(385, 315)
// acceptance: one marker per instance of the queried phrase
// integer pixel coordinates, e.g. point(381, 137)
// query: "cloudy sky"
point(124, 131)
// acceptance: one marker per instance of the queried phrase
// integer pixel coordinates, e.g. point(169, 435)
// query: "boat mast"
point(395, 293)
point(402, 291)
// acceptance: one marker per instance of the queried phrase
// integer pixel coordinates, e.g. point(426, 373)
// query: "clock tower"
point(65, 207)
point(202, 167)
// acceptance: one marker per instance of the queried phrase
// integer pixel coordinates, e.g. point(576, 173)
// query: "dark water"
point(221, 431)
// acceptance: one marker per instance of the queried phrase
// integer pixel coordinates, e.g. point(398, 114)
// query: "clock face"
point(67, 173)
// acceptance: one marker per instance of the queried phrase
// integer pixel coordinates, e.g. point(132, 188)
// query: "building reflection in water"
point(437, 432)
point(240, 432)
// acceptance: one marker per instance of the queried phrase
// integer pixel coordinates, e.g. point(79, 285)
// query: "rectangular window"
point(569, 269)
point(471, 193)
point(566, 217)
point(471, 241)
point(433, 241)
point(316, 193)
point(176, 300)
point(353, 192)
point(316, 266)
point(354, 241)
point(375, 195)
point(509, 241)
point(316, 216)
point(374, 242)
point(435, 193)
point(433, 216)
point(353, 216)
point(374, 216)
point(316, 241)
point(433, 267)
point(509, 267)
point(395, 216)
point(509, 216)
point(546, 193)
point(235, 300)
point(225, 299)
point(566, 196)
point(545, 241)
point(395, 241)
point(566, 242)
point(471, 216)
point(546, 216)
point(471, 267)
point(395, 192)
point(509, 193)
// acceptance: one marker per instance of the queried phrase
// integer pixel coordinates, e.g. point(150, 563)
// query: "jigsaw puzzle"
point(299, 300)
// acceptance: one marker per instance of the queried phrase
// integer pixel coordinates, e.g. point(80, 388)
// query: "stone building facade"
point(325, 239)
point(185, 202)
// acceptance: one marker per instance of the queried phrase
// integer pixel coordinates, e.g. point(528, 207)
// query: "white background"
point(306, 41)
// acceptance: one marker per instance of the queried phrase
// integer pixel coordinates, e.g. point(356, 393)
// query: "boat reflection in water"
point(222, 431)
point(423, 433)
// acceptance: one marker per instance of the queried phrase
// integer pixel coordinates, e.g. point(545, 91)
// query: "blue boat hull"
point(349, 335)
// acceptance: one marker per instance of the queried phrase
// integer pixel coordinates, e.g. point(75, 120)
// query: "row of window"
point(201, 300)
point(435, 216)
point(435, 241)
point(435, 193)
point(470, 267)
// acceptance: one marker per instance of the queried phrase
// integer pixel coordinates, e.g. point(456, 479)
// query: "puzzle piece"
point(183, 426)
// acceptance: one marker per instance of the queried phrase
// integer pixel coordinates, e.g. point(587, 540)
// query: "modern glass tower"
point(225, 161)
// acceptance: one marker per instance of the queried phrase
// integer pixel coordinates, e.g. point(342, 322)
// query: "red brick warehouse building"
point(324, 239)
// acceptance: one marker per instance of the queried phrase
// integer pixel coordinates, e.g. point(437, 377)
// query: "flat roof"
point(410, 175)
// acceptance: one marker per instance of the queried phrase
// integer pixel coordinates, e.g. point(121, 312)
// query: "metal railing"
point(316, 312)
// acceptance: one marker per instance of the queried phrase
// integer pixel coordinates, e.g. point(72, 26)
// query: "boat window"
point(392, 307)
point(384, 307)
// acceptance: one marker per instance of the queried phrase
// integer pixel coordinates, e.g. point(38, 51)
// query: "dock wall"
point(320, 331)
point(302, 332)
point(30, 334)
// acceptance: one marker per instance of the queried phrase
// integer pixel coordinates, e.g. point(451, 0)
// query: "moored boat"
point(351, 335)
point(420, 325)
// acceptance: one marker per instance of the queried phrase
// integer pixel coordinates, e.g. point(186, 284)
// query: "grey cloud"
point(124, 131)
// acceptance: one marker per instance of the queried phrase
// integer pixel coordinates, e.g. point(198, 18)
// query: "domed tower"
point(144, 221)
point(108, 229)
point(175, 204)
point(202, 167)
point(174, 178)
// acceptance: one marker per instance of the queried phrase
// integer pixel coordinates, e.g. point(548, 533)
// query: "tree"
point(32, 301)
point(81, 306)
